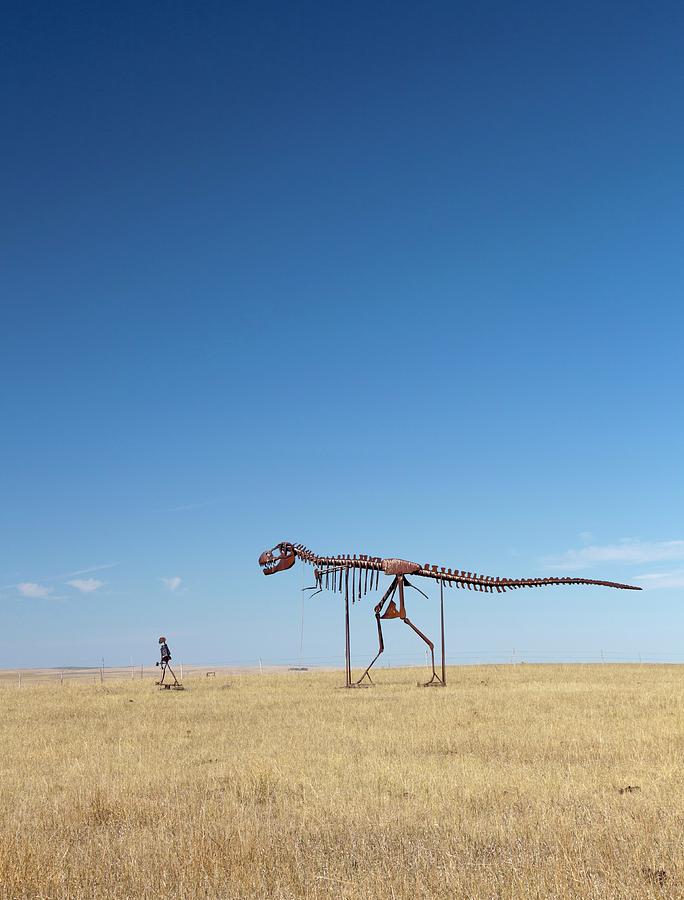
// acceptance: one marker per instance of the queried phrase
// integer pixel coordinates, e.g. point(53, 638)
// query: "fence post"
point(261, 667)
point(181, 668)
point(19, 679)
point(61, 677)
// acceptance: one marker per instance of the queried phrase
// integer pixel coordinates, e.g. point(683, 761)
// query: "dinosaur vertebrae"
point(355, 575)
point(359, 574)
point(489, 584)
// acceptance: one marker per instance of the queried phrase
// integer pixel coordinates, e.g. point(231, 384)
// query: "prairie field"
point(513, 782)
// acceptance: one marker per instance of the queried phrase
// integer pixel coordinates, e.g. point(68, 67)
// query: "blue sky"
point(381, 278)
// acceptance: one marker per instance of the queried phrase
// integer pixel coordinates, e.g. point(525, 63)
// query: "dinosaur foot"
point(435, 681)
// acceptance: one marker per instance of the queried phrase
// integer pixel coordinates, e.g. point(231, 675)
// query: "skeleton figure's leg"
point(405, 618)
point(175, 680)
point(163, 668)
point(378, 610)
point(435, 676)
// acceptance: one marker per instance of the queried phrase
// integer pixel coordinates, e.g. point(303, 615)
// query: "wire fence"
point(101, 674)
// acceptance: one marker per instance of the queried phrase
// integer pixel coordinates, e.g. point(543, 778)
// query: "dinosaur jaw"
point(278, 559)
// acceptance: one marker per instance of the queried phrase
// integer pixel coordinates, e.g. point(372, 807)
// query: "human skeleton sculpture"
point(356, 575)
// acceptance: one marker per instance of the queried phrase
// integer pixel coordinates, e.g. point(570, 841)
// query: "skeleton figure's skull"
point(281, 557)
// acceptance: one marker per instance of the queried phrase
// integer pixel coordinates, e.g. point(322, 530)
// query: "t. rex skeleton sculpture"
point(356, 575)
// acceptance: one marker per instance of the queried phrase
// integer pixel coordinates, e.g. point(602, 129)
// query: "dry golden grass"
point(510, 783)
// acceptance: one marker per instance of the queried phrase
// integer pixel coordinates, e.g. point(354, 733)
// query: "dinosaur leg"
point(435, 676)
point(378, 610)
point(402, 615)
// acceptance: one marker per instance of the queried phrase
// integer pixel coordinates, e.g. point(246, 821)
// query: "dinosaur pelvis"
point(391, 612)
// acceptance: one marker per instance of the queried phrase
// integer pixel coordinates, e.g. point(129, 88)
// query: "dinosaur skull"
point(281, 557)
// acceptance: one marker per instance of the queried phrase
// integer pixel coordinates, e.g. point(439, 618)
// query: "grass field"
point(516, 781)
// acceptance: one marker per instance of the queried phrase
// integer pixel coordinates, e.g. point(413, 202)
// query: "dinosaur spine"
point(337, 570)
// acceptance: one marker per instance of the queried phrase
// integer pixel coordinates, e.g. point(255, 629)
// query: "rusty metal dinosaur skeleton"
point(356, 575)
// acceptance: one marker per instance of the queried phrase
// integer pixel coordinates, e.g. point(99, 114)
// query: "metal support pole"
point(441, 614)
point(347, 646)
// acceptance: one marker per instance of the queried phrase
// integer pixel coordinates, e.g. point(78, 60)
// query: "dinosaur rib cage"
point(333, 572)
point(359, 574)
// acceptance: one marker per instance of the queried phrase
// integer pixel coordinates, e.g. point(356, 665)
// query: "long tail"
point(488, 583)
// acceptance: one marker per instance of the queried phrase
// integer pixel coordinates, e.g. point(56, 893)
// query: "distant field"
point(514, 782)
point(93, 675)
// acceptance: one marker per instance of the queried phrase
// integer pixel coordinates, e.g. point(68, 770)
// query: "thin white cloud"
point(629, 550)
point(187, 506)
point(86, 585)
point(586, 537)
point(22, 586)
point(172, 583)
point(33, 590)
point(656, 580)
point(91, 569)
point(64, 575)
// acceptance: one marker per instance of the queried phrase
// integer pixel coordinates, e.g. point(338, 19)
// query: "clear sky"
point(399, 279)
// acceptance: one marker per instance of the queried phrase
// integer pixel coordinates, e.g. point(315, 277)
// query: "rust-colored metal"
point(441, 625)
point(347, 645)
point(328, 575)
point(278, 559)
point(399, 567)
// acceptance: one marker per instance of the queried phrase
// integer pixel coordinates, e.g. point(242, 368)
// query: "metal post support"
point(441, 613)
point(347, 647)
